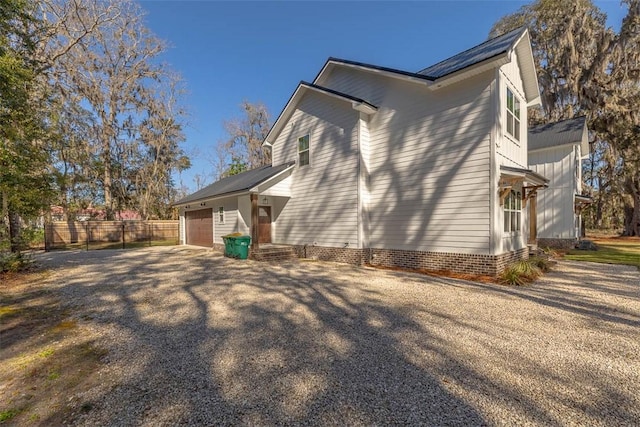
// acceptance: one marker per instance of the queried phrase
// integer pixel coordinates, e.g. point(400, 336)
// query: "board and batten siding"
point(429, 157)
point(556, 217)
point(323, 208)
point(511, 152)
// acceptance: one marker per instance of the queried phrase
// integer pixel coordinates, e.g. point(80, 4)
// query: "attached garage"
point(199, 227)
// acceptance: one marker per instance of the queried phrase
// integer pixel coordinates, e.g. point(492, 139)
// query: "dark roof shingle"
point(555, 134)
point(235, 183)
point(477, 54)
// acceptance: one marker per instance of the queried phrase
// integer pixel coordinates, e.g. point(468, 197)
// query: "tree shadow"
point(218, 341)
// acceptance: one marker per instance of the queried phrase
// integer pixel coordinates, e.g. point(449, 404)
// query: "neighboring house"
point(556, 151)
point(93, 214)
point(377, 165)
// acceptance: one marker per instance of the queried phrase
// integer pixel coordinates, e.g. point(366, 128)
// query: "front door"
point(264, 224)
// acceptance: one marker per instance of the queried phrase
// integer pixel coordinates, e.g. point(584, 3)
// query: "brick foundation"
point(346, 255)
point(557, 243)
point(490, 265)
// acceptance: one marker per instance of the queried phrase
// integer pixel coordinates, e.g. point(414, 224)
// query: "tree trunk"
point(632, 210)
point(14, 231)
point(632, 226)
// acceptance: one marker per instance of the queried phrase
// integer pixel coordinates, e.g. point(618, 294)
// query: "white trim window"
point(513, 115)
point(513, 212)
point(221, 215)
point(303, 150)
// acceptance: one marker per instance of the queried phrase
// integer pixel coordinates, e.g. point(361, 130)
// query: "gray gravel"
point(197, 339)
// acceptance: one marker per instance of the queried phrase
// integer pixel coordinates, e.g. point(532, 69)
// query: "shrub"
point(520, 273)
point(544, 264)
point(14, 262)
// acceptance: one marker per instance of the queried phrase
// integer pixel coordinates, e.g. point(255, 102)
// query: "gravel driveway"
point(197, 339)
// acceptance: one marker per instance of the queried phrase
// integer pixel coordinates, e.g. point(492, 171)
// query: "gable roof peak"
point(486, 50)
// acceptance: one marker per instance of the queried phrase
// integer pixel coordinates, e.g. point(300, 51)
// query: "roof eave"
point(356, 104)
point(388, 72)
point(276, 177)
point(528, 73)
point(211, 198)
point(525, 174)
point(472, 70)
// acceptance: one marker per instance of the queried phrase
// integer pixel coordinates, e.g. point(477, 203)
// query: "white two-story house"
point(377, 165)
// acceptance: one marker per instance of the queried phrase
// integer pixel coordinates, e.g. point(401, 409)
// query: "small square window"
point(303, 150)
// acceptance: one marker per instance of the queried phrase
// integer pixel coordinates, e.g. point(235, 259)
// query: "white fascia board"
point(391, 74)
point(275, 178)
point(293, 101)
point(529, 79)
point(363, 108)
point(196, 203)
point(283, 117)
point(553, 147)
point(585, 148)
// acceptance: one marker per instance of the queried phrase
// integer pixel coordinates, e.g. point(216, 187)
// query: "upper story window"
point(513, 115)
point(303, 150)
point(513, 212)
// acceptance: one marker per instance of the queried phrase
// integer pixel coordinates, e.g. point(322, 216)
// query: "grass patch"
point(6, 312)
point(7, 414)
point(46, 353)
point(610, 251)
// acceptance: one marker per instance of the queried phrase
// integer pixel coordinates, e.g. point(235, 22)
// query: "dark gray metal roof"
point(555, 134)
point(482, 52)
point(375, 67)
point(236, 183)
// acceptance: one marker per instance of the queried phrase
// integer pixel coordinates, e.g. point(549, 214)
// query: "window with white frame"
point(513, 115)
point(512, 212)
point(303, 150)
point(221, 215)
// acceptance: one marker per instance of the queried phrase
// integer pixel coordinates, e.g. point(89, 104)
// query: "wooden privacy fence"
point(109, 234)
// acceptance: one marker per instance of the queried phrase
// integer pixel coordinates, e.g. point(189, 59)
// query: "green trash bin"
point(230, 245)
point(242, 246)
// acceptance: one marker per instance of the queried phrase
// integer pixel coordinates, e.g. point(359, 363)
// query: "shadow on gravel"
point(222, 342)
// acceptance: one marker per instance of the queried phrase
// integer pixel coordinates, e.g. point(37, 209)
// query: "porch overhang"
point(582, 199)
point(515, 175)
point(531, 182)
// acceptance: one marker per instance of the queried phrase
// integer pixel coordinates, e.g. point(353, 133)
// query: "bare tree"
point(113, 67)
point(242, 149)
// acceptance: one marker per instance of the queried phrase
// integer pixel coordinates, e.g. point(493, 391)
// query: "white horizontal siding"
point(323, 208)
point(429, 168)
point(230, 224)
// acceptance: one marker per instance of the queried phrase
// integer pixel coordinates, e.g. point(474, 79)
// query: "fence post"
point(123, 235)
point(46, 240)
point(86, 235)
point(149, 233)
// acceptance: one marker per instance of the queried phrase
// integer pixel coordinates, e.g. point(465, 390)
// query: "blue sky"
point(230, 51)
